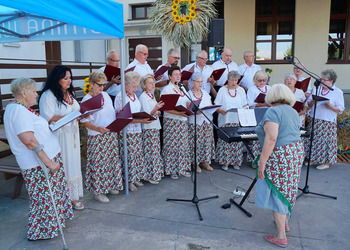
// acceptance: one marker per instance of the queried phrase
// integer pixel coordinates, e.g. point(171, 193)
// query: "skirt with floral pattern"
point(324, 145)
point(103, 168)
point(42, 219)
point(256, 150)
point(282, 172)
point(176, 149)
point(229, 153)
point(136, 159)
point(153, 159)
point(205, 143)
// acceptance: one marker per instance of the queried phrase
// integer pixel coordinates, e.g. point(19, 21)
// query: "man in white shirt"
point(140, 63)
point(224, 62)
point(201, 66)
point(173, 60)
point(113, 86)
point(248, 70)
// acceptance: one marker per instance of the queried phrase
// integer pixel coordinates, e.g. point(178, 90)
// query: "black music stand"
point(195, 200)
point(317, 83)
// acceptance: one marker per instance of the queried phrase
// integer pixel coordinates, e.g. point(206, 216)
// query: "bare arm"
point(271, 133)
point(99, 129)
point(29, 140)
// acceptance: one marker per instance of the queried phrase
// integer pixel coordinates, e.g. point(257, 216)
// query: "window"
point(274, 30)
point(339, 32)
point(139, 12)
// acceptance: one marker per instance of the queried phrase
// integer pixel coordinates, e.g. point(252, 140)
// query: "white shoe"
point(102, 198)
point(323, 166)
point(114, 191)
point(139, 183)
point(153, 182)
point(225, 167)
point(236, 167)
point(132, 187)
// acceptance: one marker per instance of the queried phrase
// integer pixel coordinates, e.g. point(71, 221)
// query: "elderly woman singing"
point(27, 131)
point(280, 160)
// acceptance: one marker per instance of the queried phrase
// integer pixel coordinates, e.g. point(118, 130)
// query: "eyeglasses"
point(175, 57)
point(261, 80)
point(113, 60)
point(325, 80)
point(250, 56)
point(99, 84)
point(204, 59)
point(145, 54)
point(198, 81)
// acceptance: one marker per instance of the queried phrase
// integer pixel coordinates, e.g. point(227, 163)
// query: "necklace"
point(325, 92)
point(182, 95)
point(132, 98)
point(228, 90)
point(103, 100)
point(264, 92)
point(30, 109)
point(196, 96)
point(150, 95)
point(70, 99)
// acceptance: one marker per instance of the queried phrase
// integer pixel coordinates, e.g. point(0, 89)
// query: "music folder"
point(260, 98)
point(143, 115)
point(258, 114)
point(303, 85)
point(111, 71)
point(197, 102)
point(218, 73)
point(181, 108)
point(211, 109)
point(298, 106)
point(93, 103)
point(123, 118)
point(319, 98)
point(186, 74)
point(129, 69)
point(162, 70)
point(169, 100)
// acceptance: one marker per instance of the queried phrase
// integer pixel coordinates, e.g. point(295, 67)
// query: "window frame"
point(274, 19)
point(133, 11)
point(346, 39)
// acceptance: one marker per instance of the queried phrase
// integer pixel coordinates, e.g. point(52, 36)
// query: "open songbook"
point(169, 100)
point(303, 85)
point(162, 70)
point(186, 74)
point(88, 107)
point(112, 71)
point(123, 118)
point(246, 117)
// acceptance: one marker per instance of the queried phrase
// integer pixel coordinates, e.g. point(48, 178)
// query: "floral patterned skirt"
point(255, 148)
point(176, 149)
point(103, 168)
point(324, 145)
point(153, 159)
point(229, 153)
point(205, 142)
point(282, 173)
point(136, 160)
point(42, 219)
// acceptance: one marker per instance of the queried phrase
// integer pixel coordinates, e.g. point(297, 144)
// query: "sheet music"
point(247, 118)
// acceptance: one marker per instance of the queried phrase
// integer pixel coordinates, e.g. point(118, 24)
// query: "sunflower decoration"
point(183, 22)
point(87, 86)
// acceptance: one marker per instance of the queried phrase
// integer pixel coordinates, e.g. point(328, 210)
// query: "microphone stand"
point(195, 200)
point(317, 83)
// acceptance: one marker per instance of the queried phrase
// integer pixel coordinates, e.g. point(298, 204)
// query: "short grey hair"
point(246, 52)
point(259, 73)
point(22, 84)
point(131, 77)
point(111, 52)
point(140, 47)
point(144, 79)
point(200, 53)
point(330, 74)
point(196, 75)
point(280, 94)
point(233, 75)
point(289, 75)
point(172, 51)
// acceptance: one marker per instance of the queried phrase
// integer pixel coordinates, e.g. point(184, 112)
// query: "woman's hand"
point(311, 103)
point(332, 107)
point(261, 170)
point(159, 105)
point(53, 166)
point(102, 129)
point(222, 111)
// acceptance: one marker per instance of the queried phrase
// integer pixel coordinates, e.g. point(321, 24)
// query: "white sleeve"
point(219, 98)
point(118, 104)
point(339, 102)
point(251, 98)
point(48, 105)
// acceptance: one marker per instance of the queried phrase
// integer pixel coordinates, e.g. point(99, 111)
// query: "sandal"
point(132, 187)
point(278, 242)
point(78, 205)
point(187, 174)
point(174, 176)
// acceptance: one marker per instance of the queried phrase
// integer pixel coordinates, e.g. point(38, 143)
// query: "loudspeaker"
point(216, 33)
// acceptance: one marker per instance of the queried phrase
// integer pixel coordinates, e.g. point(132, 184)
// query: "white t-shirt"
point(17, 119)
point(114, 89)
point(228, 102)
point(253, 93)
point(147, 105)
point(183, 100)
point(206, 101)
point(206, 72)
point(142, 69)
point(135, 107)
point(229, 67)
point(248, 72)
point(103, 117)
point(336, 98)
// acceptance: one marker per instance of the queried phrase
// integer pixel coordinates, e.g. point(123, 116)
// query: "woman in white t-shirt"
point(150, 132)
point(136, 159)
point(26, 131)
point(176, 147)
point(205, 137)
point(290, 80)
point(230, 96)
point(103, 168)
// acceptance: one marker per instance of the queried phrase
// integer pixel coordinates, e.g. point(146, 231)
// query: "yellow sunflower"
point(174, 7)
point(177, 18)
point(182, 21)
point(193, 14)
point(176, 2)
point(187, 18)
point(193, 8)
point(174, 13)
point(192, 2)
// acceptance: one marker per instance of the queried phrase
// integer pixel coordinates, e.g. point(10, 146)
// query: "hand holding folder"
point(186, 74)
point(91, 104)
point(260, 98)
point(162, 70)
point(181, 108)
point(298, 106)
point(111, 71)
point(218, 73)
point(143, 115)
point(319, 98)
point(303, 85)
point(124, 117)
point(169, 100)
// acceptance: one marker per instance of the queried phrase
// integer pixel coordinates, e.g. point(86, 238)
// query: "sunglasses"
point(100, 84)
